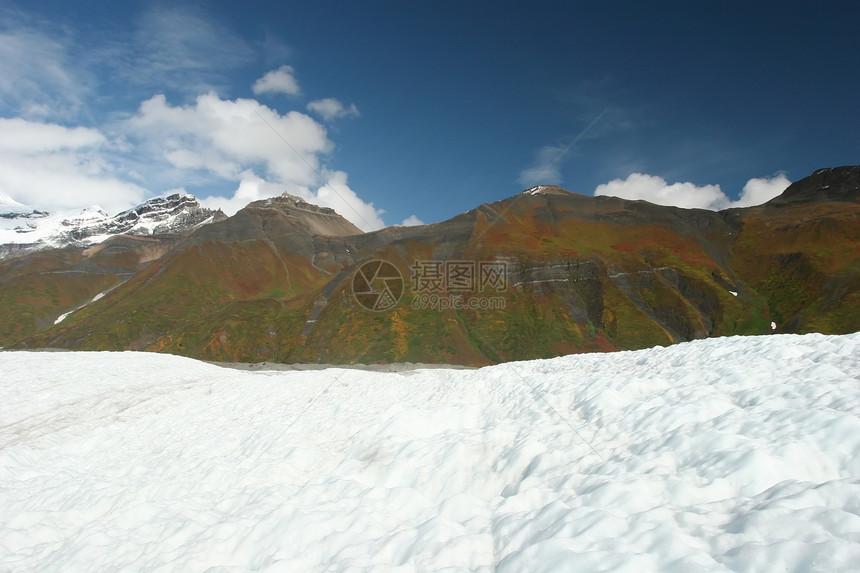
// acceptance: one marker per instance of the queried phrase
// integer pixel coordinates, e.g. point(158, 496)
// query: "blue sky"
point(389, 111)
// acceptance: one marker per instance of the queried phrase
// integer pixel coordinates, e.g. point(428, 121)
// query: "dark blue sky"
point(460, 103)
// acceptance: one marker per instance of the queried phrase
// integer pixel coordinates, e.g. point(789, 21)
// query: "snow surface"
point(732, 454)
point(46, 228)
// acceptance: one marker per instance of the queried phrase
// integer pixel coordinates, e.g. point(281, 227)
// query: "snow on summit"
point(727, 454)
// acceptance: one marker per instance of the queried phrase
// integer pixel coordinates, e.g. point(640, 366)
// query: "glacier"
point(725, 454)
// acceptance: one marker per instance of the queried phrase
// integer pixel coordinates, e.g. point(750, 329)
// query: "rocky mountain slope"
point(543, 273)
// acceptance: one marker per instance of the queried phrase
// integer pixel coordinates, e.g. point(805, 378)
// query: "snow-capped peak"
point(536, 190)
point(88, 215)
point(7, 202)
point(545, 190)
point(94, 211)
point(36, 230)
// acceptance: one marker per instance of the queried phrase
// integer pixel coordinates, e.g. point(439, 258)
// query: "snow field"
point(732, 454)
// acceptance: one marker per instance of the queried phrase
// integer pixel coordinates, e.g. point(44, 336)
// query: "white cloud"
point(52, 71)
point(331, 108)
point(281, 80)
point(656, 190)
point(251, 188)
point(547, 167)
point(338, 195)
point(38, 80)
point(61, 168)
point(689, 195)
point(761, 190)
point(263, 152)
point(412, 221)
point(24, 137)
point(221, 143)
point(223, 138)
point(182, 48)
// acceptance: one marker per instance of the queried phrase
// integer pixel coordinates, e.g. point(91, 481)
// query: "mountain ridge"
point(828, 184)
point(275, 282)
point(27, 229)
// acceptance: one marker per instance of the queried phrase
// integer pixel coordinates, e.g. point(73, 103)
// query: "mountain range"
point(543, 273)
point(26, 229)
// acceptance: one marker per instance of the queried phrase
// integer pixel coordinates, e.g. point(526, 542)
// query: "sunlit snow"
point(733, 454)
point(62, 317)
point(65, 315)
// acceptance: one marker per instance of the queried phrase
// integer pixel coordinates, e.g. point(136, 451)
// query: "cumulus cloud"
point(61, 168)
point(235, 146)
point(331, 108)
point(412, 221)
point(281, 80)
point(264, 152)
point(689, 195)
point(221, 138)
point(337, 195)
point(251, 188)
point(761, 190)
point(656, 190)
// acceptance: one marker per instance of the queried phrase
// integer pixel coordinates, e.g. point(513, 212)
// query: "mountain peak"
point(290, 200)
point(545, 190)
point(284, 215)
point(35, 230)
point(7, 202)
point(95, 210)
point(830, 184)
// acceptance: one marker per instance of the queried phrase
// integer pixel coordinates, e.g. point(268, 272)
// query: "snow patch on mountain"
point(537, 190)
point(65, 315)
point(545, 190)
point(726, 454)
